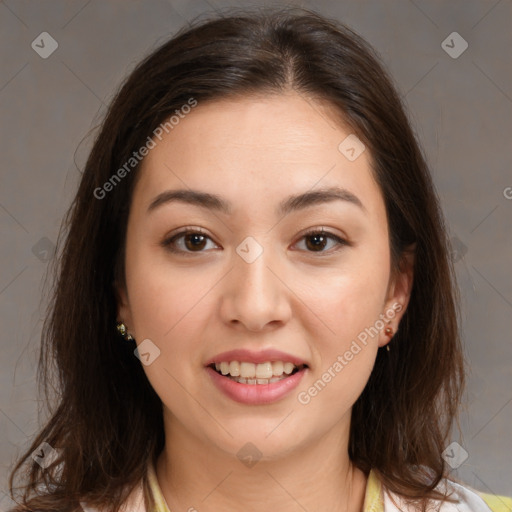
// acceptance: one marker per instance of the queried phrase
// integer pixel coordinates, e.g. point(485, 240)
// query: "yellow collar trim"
point(160, 504)
point(373, 501)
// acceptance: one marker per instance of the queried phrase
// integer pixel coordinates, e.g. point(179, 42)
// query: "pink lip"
point(255, 357)
point(255, 394)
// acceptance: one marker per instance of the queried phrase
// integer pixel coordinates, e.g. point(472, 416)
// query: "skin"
point(255, 152)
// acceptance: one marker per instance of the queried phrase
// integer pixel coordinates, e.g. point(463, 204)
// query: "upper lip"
point(261, 356)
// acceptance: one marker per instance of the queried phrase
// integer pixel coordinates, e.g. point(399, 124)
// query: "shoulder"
point(496, 503)
point(473, 500)
point(134, 502)
point(136, 499)
point(467, 499)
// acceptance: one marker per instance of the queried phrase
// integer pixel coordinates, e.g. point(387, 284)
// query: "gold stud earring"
point(123, 331)
point(389, 332)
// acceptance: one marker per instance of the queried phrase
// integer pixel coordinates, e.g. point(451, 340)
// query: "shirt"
point(376, 500)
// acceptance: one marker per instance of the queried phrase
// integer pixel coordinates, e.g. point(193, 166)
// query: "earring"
point(388, 331)
point(123, 331)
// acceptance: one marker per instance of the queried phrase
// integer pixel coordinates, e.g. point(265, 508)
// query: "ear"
point(399, 293)
point(123, 305)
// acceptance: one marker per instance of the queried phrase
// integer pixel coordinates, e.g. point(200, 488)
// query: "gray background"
point(460, 107)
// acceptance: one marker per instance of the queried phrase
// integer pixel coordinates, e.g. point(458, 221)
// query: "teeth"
point(241, 380)
point(264, 370)
point(234, 368)
point(247, 370)
point(288, 368)
point(251, 373)
point(277, 367)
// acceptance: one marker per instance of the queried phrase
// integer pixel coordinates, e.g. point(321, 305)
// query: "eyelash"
point(168, 243)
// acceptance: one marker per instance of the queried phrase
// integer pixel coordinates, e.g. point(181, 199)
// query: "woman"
point(255, 305)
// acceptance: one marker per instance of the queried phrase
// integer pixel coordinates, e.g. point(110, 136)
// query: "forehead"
point(256, 147)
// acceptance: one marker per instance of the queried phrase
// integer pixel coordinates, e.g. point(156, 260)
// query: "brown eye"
point(194, 241)
point(187, 242)
point(316, 241)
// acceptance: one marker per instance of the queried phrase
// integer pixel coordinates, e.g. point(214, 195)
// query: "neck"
point(196, 474)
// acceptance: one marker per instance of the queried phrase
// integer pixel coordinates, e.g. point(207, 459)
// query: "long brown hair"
point(106, 422)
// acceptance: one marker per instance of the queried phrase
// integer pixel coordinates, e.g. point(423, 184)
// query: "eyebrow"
point(290, 204)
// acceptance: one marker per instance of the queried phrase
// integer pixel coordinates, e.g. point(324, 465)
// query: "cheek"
point(168, 307)
point(346, 353)
point(163, 297)
point(350, 298)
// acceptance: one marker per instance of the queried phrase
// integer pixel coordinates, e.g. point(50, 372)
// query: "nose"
point(255, 295)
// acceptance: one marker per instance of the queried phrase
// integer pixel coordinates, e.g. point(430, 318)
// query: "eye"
point(316, 240)
point(195, 241)
point(187, 241)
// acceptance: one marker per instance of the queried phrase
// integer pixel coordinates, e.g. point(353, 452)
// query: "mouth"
point(269, 372)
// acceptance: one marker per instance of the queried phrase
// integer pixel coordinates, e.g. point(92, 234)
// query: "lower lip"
point(256, 394)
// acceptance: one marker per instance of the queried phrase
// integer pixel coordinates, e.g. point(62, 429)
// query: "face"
point(258, 274)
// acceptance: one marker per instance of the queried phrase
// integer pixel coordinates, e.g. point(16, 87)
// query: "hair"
point(106, 423)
